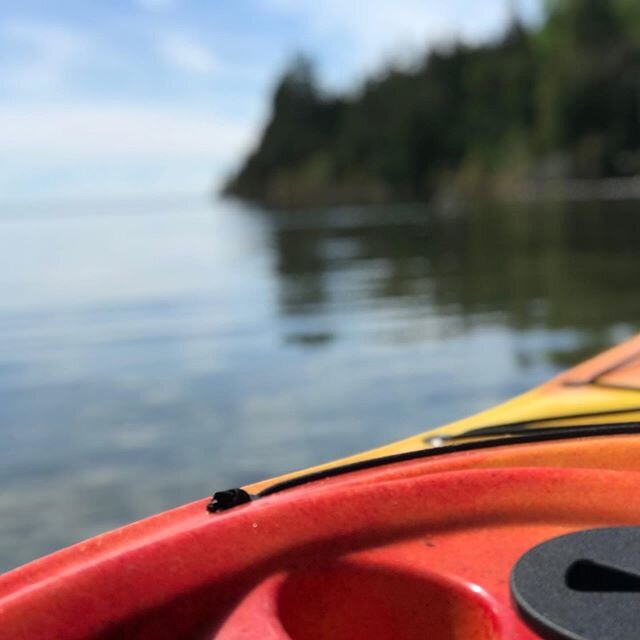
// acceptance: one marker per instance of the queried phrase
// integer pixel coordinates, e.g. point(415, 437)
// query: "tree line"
point(559, 100)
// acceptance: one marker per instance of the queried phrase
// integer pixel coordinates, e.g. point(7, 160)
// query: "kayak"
point(519, 522)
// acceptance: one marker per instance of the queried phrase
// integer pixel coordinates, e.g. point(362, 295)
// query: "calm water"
point(153, 352)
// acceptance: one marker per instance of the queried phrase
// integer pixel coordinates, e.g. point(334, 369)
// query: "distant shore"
point(531, 190)
point(543, 111)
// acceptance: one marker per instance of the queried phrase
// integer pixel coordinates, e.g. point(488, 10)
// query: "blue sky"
point(115, 97)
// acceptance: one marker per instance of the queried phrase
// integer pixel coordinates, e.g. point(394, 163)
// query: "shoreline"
point(533, 190)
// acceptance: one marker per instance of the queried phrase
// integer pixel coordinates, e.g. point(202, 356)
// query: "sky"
point(137, 97)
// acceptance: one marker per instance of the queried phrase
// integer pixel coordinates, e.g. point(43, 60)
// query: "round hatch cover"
point(582, 586)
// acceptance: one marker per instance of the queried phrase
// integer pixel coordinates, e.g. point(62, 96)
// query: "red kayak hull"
point(376, 553)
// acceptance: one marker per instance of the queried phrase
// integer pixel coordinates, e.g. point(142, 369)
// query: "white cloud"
point(185, 53)
point(44, 54)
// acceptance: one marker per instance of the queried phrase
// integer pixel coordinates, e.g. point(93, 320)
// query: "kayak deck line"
point(509, 428)
point(597, 377)
point(222, 501)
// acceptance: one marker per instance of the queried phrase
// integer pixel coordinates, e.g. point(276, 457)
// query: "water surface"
point(152, 352)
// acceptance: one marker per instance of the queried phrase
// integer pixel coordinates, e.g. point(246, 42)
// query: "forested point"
point(555, 102)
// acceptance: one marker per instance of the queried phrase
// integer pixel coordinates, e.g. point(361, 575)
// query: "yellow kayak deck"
point(602, 390)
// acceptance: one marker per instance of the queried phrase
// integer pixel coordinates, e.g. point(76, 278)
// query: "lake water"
point(153, 352)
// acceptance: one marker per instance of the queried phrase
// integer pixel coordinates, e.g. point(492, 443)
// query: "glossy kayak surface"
point(415, 540)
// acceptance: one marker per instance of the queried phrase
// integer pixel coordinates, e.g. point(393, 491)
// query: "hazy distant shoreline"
point(534, 190)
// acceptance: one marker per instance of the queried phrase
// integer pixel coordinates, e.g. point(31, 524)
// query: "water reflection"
point(153, 353)
point(528, 267)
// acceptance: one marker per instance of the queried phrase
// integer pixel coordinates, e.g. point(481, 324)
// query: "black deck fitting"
point(223, 500)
